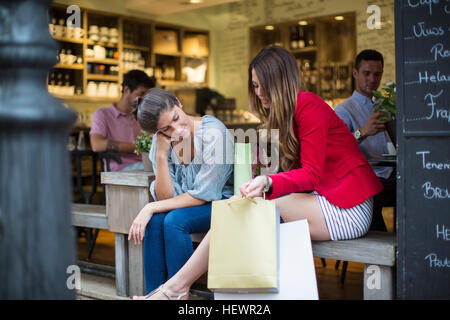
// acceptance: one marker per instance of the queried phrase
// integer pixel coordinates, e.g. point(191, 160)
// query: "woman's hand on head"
point(163, 144)
point(137, 229)
point(253, 188)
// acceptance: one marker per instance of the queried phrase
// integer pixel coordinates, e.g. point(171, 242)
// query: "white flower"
point(389, 83)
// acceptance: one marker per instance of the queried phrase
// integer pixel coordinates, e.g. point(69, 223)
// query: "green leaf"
point(143, 143)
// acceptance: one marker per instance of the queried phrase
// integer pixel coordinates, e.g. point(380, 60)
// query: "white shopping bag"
point(297, 274)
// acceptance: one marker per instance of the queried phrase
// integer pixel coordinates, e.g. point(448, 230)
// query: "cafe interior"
point(198, 50)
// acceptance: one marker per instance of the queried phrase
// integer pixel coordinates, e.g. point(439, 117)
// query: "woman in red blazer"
point(324, 175)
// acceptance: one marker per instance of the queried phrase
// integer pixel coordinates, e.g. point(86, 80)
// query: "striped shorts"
point(346, 224)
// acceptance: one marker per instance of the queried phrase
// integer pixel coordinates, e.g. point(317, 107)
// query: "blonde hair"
point(279, 77)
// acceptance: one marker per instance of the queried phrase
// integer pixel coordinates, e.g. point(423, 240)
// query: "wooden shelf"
point(334, 43)
point(303, 50)
point(70, 40)
point(69, 66)
point(102, 61)
point(83, 98)
point(180, 83)
point(190, 56)
point(171, 54)
point(102, 77)
point(134, 47)
point(142, 40)
point(103, 44)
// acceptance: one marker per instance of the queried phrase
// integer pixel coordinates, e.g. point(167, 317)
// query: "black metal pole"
point(37, 242)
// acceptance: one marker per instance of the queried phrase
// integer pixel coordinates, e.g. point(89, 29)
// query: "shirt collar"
point(116, 112)
point(361, 99)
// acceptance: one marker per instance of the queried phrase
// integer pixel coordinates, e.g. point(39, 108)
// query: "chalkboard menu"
point(423, 116)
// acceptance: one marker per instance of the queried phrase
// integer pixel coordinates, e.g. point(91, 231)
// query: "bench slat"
point(88, 208)
point(374, 248)
point(89, 216)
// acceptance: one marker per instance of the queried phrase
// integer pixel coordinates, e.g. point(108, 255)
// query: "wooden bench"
point(377, 250)
point(89, 216)
point(92, 217)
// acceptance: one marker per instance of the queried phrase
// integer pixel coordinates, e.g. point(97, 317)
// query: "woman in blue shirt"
point(192, 165)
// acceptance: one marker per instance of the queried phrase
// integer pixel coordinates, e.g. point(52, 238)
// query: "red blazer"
point(330, 160)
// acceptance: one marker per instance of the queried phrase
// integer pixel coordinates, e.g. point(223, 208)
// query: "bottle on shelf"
point(51, 78)
point(67, 80)
point(59, 79)
point(293, 41)
point(301, 37)
point(51, 27)
point(310, 36)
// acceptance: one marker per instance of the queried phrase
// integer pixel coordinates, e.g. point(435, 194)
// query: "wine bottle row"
point(302, 37)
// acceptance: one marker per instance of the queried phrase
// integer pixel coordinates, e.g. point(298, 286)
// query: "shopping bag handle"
point(243, 198)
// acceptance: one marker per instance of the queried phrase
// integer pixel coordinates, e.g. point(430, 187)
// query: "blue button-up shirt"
point(354, 112)
point(209, 176)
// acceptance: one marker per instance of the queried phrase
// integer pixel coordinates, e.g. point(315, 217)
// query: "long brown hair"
point(278, 75)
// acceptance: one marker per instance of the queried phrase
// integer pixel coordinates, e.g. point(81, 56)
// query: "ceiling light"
point(339, 18)
point(269, 27)
point(195, 1)
point(303, 23)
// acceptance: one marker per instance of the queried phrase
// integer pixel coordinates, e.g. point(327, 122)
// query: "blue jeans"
point(168, 244)
point(134, 166)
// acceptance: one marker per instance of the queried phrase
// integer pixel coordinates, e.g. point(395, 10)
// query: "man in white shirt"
point(358, 113)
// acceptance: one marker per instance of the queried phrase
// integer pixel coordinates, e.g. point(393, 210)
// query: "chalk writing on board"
point(435, 262)
point(435, 111)
point(436, 77)
point(432, 192)
point(442, 232)
point(430, 165)
point(439, 51)
point(422, 3)
point(420, 30)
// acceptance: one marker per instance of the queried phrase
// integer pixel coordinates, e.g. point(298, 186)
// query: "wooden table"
point(126, 194)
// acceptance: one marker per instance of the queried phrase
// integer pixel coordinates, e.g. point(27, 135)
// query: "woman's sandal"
point(169, 294)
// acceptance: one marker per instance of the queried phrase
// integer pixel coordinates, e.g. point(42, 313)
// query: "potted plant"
point(386, 105)
point(143, 144)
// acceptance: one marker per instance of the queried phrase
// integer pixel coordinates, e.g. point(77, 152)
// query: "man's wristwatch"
point(267, 187)
point(358, 135)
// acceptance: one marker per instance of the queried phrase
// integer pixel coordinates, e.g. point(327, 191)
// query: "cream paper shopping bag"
point(297, 272)
point(244, 246)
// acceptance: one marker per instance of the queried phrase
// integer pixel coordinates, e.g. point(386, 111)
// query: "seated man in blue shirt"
point(358, 113)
